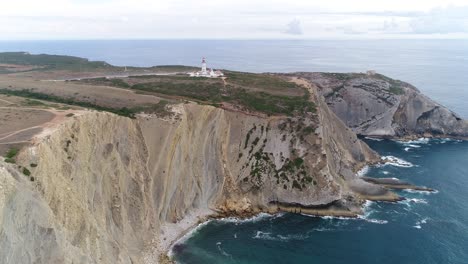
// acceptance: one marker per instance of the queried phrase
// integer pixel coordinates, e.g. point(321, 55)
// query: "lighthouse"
point(203, 66)
point(205, 72)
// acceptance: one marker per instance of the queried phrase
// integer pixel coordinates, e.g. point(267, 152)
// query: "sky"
point(239, 19)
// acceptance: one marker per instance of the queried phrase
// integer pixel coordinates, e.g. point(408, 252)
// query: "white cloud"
point(294, 27)
point(442, 21)
point(85, 19)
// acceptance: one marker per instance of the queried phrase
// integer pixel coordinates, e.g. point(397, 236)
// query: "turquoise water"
point(426, 228)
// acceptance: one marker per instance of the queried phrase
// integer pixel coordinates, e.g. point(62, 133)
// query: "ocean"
point(439, 68)
point(425, 228)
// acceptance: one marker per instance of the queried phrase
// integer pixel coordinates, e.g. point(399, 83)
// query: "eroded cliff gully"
point(109, 189)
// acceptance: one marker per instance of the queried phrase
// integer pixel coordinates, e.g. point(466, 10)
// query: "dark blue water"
point(426, 228)
point(438, 67)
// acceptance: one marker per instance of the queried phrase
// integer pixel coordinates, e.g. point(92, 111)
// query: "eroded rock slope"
point(105, 188)
point(375, 105)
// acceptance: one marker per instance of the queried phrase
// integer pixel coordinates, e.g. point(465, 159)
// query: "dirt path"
point(35, 131)
point(8, 102)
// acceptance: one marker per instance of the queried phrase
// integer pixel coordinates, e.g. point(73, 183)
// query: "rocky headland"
point(121, 185)
point(375, 105)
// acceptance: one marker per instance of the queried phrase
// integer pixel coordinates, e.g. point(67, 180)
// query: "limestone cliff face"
point(376, 105)
point(105, 187)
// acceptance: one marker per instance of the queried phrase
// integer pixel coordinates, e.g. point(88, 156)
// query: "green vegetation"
point(342, 76)
point(298, 162)
point(256, 92)
point(69, 115)
point(174, 68)
point(395, 85)
point(33, 165)
point(265, 82)
point(247, 137)
point(396, 89)
point(30, 102)
point(28, 93)
point(203, 91)
point(296, 185)
point(271, 104)
point(26, 172)
point(160, 109)
point(52, 61)
point(308, 130)
point(106, 82)
point(9, 160)
point(10, 155)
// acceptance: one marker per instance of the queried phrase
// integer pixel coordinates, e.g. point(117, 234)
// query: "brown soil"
point(100, 95)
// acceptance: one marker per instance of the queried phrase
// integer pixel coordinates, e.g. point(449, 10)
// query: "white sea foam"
point(189, 234)
point(262, 235)
point(184, 238)
point(421, 192)
point(414, 142)
point(293, 237)
point(266, 236)
point(256, 218)
point(365, 217)
point(363, 171)
point(373, 138)
point(368, 212)
point(419, 141)
point(322, 229)
point(394, 161)
point(419, 223)
point(377, 221)
point(329, 217)
point(424, 221)
point(385, 172)
point(407, 149)
point(218, 245)
point(411, 201)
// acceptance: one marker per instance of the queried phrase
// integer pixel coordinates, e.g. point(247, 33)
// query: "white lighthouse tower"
point(203, 67)
point(204, 72)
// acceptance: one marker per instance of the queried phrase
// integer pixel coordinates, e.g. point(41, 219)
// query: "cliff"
point(110, 189)
point(375, 105)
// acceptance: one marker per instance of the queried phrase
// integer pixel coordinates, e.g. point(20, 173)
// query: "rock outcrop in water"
point(375, 105)
point(110, 189)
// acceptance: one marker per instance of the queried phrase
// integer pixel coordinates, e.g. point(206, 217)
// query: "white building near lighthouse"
point(205, 72)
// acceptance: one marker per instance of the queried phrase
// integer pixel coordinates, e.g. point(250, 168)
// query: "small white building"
point(205, 72)
point(370, 72)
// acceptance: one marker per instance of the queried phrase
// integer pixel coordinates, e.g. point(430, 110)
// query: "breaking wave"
point(420, 192)
point(419, 223)
point(373, 138)
point(256, 218)
point(416, 141)
point(218, 245)
point(363, 171)
point(410, 201)
point(394, 161)
point(268, 236)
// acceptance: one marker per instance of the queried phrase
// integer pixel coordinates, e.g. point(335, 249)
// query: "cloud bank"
point(244, 19)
